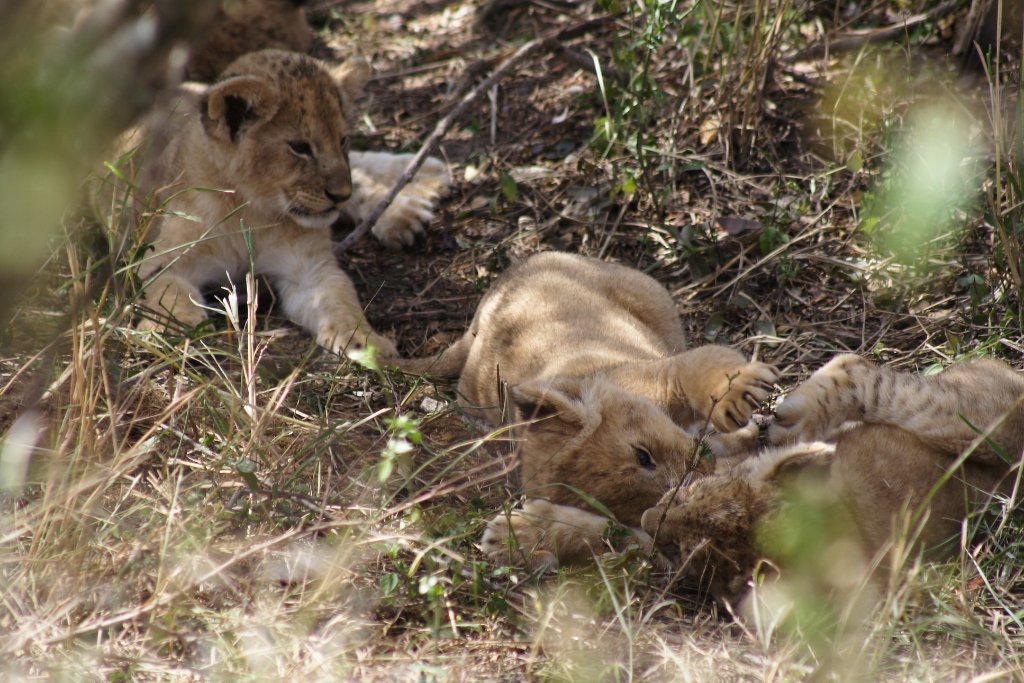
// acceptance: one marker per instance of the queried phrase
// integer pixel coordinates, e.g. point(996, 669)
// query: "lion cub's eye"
point(300, 148)
point(344, 142)
point(643, 458)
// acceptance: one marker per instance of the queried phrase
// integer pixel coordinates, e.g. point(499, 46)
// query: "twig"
point(442, 127)
point(874, 35)
point(436, 314)
point(967, 32)
point(584, 61)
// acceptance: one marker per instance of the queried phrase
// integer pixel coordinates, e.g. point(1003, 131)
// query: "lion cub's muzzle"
point(313, 208)
point(339, 187)
point(335, 190)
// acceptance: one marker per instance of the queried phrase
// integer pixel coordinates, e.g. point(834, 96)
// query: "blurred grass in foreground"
point(65, 93)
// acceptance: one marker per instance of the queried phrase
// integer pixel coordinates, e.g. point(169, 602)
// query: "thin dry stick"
point(431, 142)
point(874, 35)
point(441, 129)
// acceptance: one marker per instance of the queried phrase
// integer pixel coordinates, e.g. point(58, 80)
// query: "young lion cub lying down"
point(604, 397)
point(250, 173)
point(909, 448)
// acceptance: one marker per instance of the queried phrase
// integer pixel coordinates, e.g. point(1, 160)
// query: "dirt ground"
point(826, 291)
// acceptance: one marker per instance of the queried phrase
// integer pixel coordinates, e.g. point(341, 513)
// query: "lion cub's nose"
point(339, 193)
point(339, 185)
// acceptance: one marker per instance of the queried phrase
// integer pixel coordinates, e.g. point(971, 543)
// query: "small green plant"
point(403, 436)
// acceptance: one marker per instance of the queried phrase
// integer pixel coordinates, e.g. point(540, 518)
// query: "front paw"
point(432, 179)
point(403, 220)
point(739, 443)
point(183, 320)
point(818, 407)
point(739, 393)
point(150, 325)
point(516, 539)
point(414, 206)
point(344, 340)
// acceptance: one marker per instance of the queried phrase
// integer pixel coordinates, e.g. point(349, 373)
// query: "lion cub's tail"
point(448, 363)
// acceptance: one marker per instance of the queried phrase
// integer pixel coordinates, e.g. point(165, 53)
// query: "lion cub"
point(587, 360)
point(250, 173)
point(881, 443)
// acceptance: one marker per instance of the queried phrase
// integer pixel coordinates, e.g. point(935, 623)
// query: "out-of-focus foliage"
point(70, 80)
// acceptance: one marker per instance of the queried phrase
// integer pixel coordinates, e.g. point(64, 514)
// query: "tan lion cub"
point(250, 173)
point(592, 355)
point(902, 452)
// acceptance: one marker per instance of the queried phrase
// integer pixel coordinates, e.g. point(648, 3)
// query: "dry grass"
point(236, 504)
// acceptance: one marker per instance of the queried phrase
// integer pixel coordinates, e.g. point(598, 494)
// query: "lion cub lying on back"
point(904, 451)
point(250, 173)
point(606, 400)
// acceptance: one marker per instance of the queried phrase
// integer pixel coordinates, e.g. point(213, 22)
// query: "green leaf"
point(388, 583)
point(508, 187)
point(384, 470)
point(855, 162)
point(366, 357)
point(868, 225)
point(247, 470)
point(764, 327)
point(714, 326)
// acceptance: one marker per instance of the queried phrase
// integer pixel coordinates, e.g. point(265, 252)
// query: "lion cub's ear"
point(782, 465)
point(553, 403)
point(237, 104)
point(352, 76)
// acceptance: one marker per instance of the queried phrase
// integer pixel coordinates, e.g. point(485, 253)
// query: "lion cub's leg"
point(716, 384)
point(317, 294)
point(172, 297)
point(830, 397)
point(173, 276)
point(373, 176)
point(945, 410)
point(543, 535)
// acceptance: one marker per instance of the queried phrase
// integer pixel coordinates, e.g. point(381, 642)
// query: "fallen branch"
point(549, 42)
point(857, 39)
